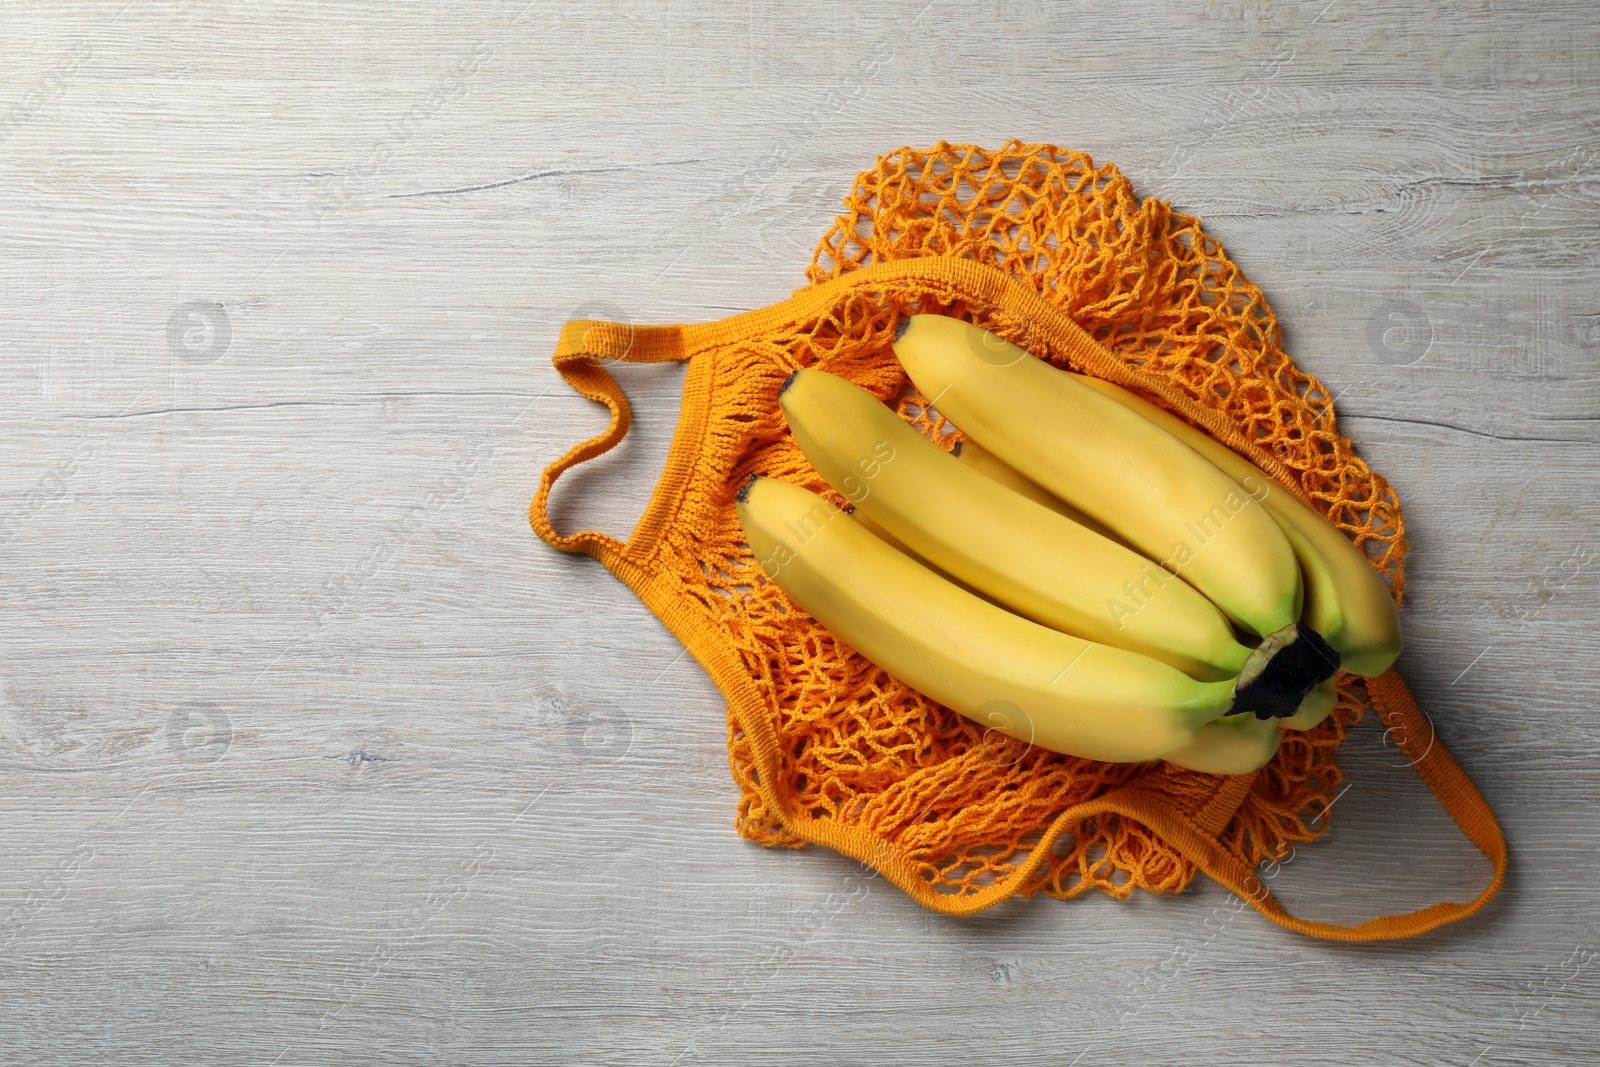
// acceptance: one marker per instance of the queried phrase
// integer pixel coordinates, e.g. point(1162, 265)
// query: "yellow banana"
point(1151, 488)
point(1318, 705)
point(1313, 708)
point(988, 464)
point(1011, 548)
point(1238, 744)
point(1346, 601)
point(1031, 682)
point(898, 545)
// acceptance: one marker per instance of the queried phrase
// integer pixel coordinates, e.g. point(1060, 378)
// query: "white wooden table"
point(313, 754)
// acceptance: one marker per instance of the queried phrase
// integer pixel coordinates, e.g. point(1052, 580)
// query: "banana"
point(865, 521)
point(1033, 683)
point(1318, 705)
point(1148, 486)
point(1346, 601)
point(1313, 708)
point(1011, 548)
point(1238, 744)
point(988, 464)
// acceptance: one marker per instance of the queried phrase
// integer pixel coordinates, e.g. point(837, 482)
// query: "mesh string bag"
point(1039, 245)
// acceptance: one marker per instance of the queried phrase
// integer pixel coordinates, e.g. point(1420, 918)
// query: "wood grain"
point(313, 754)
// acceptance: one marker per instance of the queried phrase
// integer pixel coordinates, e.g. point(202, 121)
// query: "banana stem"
point(1286, 666)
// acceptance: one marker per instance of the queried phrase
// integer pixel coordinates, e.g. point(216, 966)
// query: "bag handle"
point(582, 346)
point(1448, 782)
point(580, 351)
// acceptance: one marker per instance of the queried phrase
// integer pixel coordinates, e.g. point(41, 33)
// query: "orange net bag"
point(1040, 246)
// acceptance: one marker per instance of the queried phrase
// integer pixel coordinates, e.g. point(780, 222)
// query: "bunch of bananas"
point(1086, 573)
